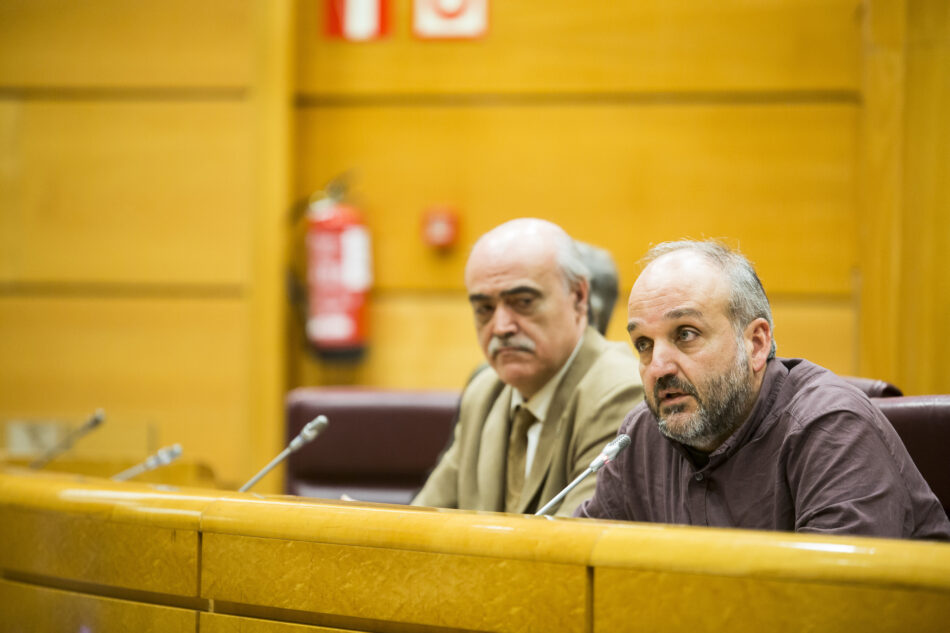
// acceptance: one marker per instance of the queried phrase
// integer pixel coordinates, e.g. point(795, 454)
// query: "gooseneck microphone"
point(606, 456)
point(67, 442)
point(306, 435)
point(162, 457)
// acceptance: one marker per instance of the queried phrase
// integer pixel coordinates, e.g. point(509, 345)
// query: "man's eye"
point(641, 345)
point(522, 303)
point(484, 310)
point(686, 335)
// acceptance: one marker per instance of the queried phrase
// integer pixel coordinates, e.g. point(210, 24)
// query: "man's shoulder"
point(482, 381)
point(810, 392)
point(609, 358)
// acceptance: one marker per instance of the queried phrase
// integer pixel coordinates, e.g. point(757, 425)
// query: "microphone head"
point(616, 445)
point(98, 417)
point(314, 428)
point(169, 454)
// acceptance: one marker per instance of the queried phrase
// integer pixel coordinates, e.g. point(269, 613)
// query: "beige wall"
point(150, 157)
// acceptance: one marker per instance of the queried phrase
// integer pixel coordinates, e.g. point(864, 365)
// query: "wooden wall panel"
point(428, 341)
point(776, 179)
point(627, 124)
point(179, 363)
point(543, 46)
point(144, 153)
point(125, 191)
point(822, 330)
point(112, 43)
point(417, 341)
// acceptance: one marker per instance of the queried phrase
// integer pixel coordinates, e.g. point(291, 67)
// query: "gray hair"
point(604, 284)
point(571, 262)
point(747, 300)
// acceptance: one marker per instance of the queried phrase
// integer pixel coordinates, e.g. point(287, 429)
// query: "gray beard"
point(719, 412)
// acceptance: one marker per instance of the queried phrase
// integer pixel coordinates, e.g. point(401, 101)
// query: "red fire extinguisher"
point(339, 276)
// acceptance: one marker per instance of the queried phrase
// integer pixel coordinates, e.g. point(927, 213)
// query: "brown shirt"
point(815, 455)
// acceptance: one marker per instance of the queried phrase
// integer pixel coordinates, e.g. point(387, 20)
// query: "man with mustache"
point(555, 391)
point(732, 436)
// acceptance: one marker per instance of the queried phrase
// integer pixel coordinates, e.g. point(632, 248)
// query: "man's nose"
point(504, 321)
point(662, 360)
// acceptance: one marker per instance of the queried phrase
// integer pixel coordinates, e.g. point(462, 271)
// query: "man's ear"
point(581, 292)
point(758, 339)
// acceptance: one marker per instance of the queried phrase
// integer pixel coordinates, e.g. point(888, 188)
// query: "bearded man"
point(732, 436)
point(555, 391)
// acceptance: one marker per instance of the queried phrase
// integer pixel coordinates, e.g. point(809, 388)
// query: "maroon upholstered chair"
point(923, 422)
point(873, 388)
point(380, 445)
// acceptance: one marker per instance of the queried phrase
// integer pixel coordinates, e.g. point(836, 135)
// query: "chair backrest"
point(873, 387)
point(923, 423)
point(380, 445)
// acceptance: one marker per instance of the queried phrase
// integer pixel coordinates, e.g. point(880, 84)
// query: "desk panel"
point(637, 600)
point(217, 623)
point(399, 586)
point(88, 549)
point(43, 610)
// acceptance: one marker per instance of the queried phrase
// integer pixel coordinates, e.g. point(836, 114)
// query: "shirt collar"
point(539, 403)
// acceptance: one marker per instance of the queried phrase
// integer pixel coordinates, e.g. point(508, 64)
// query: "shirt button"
point(698, 476)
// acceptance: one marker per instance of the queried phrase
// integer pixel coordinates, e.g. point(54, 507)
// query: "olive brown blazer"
point(601, 386)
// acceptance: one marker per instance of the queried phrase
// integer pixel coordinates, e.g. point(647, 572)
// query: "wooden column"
point(272, 107)
point(905, 193)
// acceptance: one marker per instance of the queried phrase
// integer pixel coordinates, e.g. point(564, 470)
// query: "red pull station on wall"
point(440, 227)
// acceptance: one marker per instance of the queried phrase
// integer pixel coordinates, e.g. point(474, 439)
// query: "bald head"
point(528, 289)
point(532, 237)
point(746, 299)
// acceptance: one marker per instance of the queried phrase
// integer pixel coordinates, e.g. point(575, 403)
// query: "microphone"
point(610, 452)
point(67, 442)
point(607, 455)
point(306, 435)
point(162, 457)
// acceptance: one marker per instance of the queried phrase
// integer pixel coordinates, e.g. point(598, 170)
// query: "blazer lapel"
point(554, 423)
point(492, 455)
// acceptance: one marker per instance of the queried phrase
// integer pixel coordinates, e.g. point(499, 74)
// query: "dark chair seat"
point(923, 423)
point(380, 445)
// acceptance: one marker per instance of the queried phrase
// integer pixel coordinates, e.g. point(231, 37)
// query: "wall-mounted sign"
point(357, 20)
point(449, 19)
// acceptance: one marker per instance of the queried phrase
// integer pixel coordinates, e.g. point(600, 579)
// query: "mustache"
point(515, 341)
point(673, 382)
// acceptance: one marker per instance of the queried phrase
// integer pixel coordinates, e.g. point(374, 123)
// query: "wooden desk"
point(111, 556)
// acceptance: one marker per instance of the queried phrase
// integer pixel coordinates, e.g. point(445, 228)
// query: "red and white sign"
point(450, 19)
point(357, 20)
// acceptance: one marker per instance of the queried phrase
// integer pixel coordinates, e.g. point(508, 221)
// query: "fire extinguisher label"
point(331, 327)
point(356, 274)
